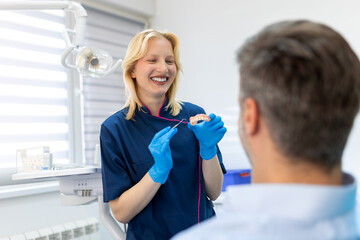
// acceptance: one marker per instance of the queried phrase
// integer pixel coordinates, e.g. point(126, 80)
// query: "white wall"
point(210, 33)
point(139, 7)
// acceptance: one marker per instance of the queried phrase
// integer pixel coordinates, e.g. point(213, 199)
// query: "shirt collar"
point(162, 110)
point(293, 201)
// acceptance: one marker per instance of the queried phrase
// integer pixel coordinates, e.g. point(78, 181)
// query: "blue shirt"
point(126, 159)
point(283, 212)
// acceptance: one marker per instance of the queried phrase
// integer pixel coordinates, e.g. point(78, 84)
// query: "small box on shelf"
point(33, 159)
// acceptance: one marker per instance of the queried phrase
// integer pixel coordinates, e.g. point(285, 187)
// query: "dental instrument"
point(178, 123)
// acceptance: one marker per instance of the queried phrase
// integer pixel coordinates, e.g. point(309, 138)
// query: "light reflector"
point(93, 62)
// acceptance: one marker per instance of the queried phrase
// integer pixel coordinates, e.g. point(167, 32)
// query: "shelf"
point(55, 173)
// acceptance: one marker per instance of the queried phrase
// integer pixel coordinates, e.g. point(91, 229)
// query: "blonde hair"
point(137, 49)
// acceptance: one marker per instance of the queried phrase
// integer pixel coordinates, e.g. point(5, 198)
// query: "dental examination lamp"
point(88, 61)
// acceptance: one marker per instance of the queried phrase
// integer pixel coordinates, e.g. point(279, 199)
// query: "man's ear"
point(250, 116)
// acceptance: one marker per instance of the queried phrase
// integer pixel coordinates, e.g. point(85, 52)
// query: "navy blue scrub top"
point(126, 159)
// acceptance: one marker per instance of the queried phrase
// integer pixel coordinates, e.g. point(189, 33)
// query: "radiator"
point(83, 229)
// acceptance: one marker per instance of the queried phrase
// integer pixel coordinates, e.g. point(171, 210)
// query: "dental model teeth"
point(159, 79)
point(199, 117)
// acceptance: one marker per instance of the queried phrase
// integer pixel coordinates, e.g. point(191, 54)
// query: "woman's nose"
point(162, 66)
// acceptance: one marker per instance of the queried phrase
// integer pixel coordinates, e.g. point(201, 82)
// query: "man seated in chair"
point(299, 95)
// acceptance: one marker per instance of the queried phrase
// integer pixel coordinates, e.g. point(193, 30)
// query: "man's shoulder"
point(240, 215)
point(223, 227)
point(235, 226)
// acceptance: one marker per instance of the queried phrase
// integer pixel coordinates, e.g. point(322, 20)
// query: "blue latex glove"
point(160, 150)
point(209, 134)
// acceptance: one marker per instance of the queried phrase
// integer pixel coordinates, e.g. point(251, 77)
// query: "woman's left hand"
point(209, 134)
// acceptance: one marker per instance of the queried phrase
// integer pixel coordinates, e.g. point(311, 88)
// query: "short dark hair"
point(305, 78)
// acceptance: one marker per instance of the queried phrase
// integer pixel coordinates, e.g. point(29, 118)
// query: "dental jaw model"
point(199, 117)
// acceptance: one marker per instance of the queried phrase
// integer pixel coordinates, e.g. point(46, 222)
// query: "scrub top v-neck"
point(126, 159)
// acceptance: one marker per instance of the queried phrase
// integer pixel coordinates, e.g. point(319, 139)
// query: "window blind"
point(35, 104)
point(103, 97)
point(33, 85)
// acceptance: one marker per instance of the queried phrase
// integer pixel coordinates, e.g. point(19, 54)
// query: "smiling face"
point(155, 71)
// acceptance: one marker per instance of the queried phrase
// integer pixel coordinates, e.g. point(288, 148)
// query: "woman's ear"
point(250, 116)
point(132, 74)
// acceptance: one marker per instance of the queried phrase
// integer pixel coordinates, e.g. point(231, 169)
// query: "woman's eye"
point(170, 61)
point(151, 60)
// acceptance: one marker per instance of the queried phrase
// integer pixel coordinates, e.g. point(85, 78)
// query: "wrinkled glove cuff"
point(158, 176)
point(207, 153)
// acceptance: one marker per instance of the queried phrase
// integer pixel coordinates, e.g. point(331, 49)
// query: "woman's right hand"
point(136, 198)
point(160, 150)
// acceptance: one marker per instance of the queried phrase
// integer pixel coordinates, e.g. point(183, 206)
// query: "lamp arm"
point(76, 8)
point(114, 67)
point(80, 16)
point(65, 55)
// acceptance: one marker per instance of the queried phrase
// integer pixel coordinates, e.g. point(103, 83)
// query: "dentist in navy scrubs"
point(157, 177)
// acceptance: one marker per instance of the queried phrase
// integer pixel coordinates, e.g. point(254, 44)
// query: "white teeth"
point(159, 79)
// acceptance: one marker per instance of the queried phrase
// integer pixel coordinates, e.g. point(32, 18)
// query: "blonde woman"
point(160, 172)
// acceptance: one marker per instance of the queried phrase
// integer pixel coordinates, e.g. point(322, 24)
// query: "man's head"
point(304, 81)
